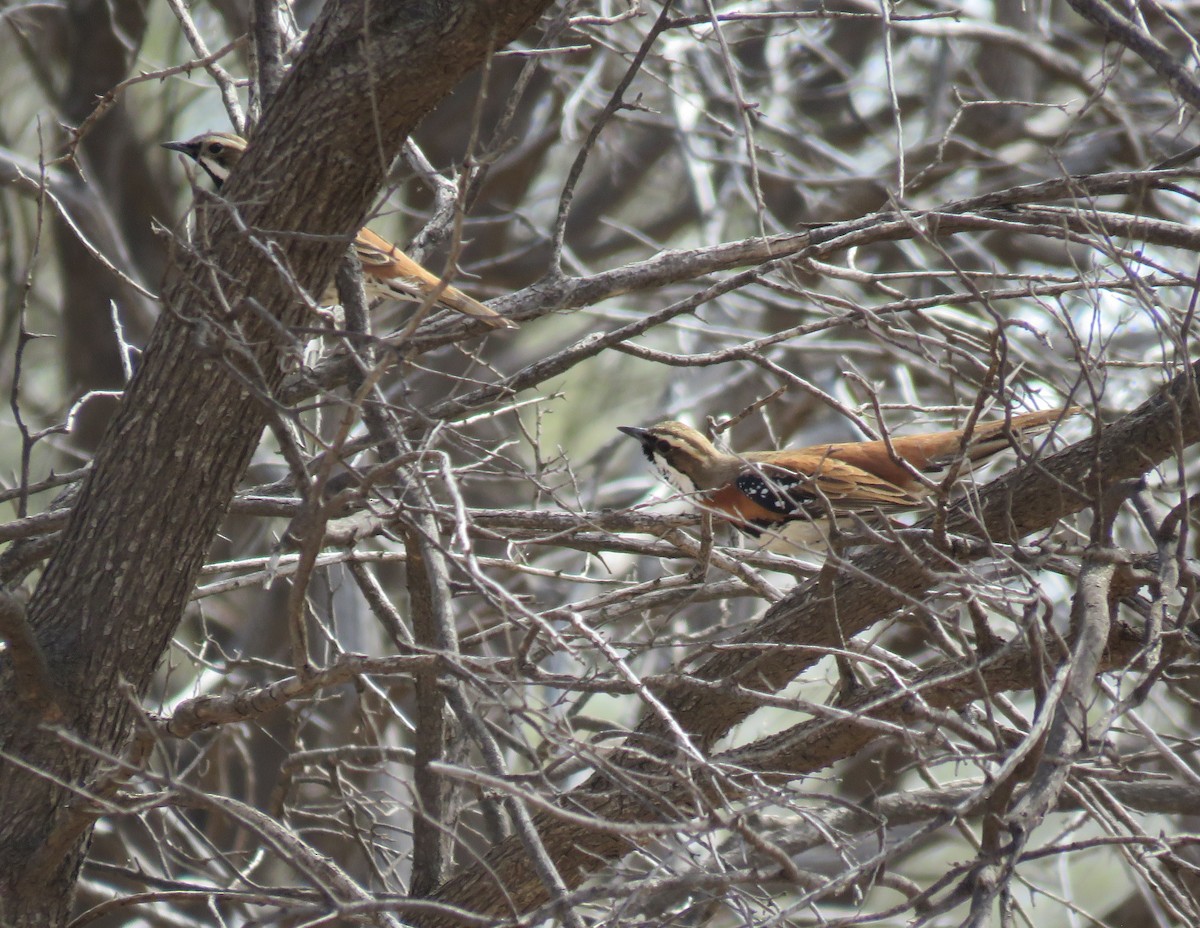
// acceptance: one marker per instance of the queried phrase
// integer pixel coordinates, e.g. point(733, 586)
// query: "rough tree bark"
point(167, 467)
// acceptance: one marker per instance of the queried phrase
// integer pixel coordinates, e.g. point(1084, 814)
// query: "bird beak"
point(642, 435)
point(186, 148)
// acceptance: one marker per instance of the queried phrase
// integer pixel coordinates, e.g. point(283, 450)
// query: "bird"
point(388, 273)
point(793, 497)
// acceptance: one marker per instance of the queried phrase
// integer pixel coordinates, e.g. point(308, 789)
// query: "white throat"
point(677, 479)
point(216, 170)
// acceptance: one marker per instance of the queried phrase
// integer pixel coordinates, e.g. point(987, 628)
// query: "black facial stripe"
point(657, 446)
point(216, 179)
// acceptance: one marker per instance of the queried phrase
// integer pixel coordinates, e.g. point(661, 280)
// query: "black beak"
point(642, 435)
point(187, 148)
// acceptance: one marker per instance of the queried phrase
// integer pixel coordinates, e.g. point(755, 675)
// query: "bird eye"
point(663, 447)
point(215, 148)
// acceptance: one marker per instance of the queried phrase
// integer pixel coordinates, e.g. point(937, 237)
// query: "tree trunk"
point(170, 460)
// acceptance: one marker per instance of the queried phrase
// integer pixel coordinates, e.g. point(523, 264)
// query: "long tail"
point(937, 450)
point(393, 269)
point(455, 299)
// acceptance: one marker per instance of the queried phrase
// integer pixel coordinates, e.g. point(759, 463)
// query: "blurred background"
point(726, 122)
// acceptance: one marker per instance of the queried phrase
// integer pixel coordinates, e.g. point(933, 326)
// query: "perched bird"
point(388, 273)
point(790, 495)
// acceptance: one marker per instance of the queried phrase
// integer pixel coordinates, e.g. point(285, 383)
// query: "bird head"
point(216, 152)
point(685, 458)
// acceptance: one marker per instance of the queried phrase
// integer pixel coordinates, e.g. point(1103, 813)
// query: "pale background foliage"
point(779, 117)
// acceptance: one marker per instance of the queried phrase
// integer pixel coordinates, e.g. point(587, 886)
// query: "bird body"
point(387, 271)
point(791, 495)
